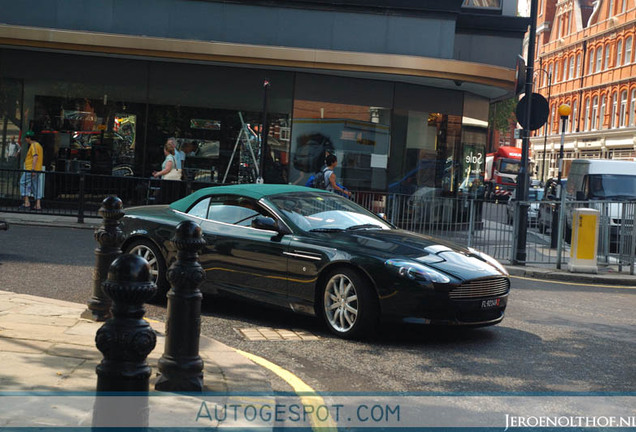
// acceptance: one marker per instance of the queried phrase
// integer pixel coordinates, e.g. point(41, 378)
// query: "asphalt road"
point(556, 336)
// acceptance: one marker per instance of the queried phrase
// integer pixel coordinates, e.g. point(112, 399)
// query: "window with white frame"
point(610, 9)
point(619, 53)
point(623, 5)
point(571, 68)
point(595, 113)
point(550, 71)
point(606, 63)
point(599, 58)
point(623, 116)
point(550, 121)
point(575, 117)
point(601, 113)
point(564, 76)
point(586, 126)
point(628, 50)
point(590, 66)
point(632, 107)
point(612, 119)
point(578, 65)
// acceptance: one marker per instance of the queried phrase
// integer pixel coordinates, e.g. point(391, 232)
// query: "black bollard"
point(110, 238)
point(126, 339)
point(180, 366)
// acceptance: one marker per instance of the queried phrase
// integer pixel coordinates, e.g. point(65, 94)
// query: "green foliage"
point(501, 113)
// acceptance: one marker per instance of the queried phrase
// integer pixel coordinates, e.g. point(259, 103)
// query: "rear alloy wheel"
point(148, 251)
point(349, 305)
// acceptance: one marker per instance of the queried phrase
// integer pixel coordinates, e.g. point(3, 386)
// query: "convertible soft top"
point(256, 191)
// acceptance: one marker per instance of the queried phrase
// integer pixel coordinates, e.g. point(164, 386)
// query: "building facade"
point(392, 87)
point(585, 58)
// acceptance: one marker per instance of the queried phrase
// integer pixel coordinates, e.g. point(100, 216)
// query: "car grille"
point(481, 288)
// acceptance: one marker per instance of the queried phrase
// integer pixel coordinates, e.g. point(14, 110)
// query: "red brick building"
point(585, 58)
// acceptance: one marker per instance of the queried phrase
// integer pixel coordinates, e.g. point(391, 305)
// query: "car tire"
point(150, 252)
point(348, 304)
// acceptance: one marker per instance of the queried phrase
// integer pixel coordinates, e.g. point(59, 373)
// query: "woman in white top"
point(168, 163)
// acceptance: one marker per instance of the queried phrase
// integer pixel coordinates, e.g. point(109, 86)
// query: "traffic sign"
point(539, 114)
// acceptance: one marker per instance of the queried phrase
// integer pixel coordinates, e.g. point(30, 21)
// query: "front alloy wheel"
point(149, 252)
point(349, 305)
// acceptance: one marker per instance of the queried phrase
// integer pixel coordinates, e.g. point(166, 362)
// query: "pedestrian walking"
point(330, 176)
point(30, 181)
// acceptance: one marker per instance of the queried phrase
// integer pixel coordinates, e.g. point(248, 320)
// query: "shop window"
point(11, 118)
point(89, 135)
point(220, 145)
point(345, 117)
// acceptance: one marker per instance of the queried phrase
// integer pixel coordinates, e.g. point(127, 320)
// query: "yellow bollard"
point(584, 244)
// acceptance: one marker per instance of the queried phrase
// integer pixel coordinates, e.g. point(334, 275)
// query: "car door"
point(240, 259)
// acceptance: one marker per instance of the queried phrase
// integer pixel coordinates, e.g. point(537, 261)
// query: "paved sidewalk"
point(46, 347)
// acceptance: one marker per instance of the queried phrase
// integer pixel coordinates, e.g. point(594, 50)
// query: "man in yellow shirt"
point(30, 180)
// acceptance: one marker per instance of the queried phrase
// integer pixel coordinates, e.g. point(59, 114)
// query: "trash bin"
point(584, 244)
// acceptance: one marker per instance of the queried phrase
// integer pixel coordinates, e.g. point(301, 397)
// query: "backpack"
point(319, 178)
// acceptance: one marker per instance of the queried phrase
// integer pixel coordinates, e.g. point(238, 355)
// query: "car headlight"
point(415, 271)
point(490, 260)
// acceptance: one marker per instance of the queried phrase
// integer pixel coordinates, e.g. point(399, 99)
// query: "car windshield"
point(510, 166)
point(612, 186)
point(317, 212)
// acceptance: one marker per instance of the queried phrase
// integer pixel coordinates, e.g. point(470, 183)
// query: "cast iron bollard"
point(126, 339)
point(180, 365)
point(110, 238)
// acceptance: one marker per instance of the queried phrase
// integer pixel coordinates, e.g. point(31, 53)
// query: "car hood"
point(447, 257)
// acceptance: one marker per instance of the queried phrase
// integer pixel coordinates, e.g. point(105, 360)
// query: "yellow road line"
point(577, 283)
point(299, 386)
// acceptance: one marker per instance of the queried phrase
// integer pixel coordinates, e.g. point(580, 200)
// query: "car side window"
point(234, 210)
point(200, 209)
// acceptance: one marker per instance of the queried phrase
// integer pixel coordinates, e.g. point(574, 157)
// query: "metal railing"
point(467, 220)
point(80, 194)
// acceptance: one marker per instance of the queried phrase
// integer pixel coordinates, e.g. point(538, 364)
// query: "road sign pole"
point(522, 179)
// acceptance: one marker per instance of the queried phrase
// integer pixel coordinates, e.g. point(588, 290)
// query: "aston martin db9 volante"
point(318, 253)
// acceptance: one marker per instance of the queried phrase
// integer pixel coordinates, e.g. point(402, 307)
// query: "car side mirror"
point(268, 224)
point(265, 223)
point(580, 196)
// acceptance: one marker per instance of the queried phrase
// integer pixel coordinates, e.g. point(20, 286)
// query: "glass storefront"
point(112, 116)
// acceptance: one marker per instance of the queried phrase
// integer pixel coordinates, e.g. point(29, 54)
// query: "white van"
point(601, 179)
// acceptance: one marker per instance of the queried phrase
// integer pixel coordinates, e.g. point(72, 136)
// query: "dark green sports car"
point(320, 254)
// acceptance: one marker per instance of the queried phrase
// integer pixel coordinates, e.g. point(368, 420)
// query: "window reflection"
point(490, 4)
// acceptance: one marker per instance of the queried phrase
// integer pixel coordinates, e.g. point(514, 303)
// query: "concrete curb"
point(565, 276)
point(49, 220)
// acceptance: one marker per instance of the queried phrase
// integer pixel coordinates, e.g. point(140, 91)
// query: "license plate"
point(485, 304)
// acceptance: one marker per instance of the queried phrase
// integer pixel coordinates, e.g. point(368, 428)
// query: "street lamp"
point(545, 129)
point(564, 113)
